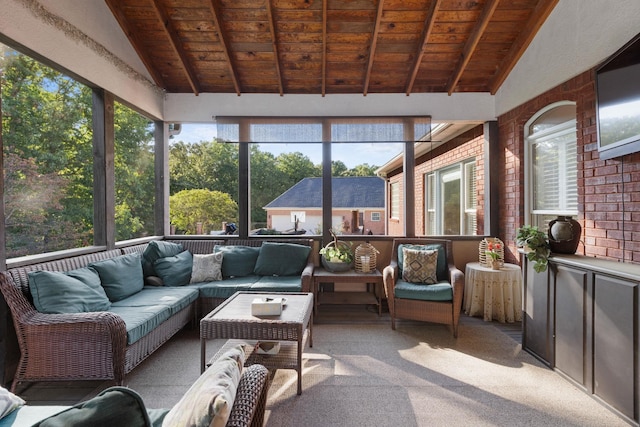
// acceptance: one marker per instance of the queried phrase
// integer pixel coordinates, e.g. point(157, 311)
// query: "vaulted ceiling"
point(330, 46)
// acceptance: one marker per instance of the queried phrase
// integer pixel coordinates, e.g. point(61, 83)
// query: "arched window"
point(551, 173)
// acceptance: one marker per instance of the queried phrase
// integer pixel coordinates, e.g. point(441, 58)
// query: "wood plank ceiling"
point(330, 46)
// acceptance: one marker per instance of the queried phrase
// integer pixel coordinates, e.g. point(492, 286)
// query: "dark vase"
point(564, 235)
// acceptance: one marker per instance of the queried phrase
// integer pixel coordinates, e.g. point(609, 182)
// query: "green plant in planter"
point(535, 244)
point(337, 251)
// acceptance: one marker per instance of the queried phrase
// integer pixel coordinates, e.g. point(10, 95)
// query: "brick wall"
point(608, 190)
point(464, 147)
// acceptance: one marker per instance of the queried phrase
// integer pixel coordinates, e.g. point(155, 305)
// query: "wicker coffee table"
point(233, 320)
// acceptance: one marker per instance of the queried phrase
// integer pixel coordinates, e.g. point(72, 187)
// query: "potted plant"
point(337, 256)
point(535, 244)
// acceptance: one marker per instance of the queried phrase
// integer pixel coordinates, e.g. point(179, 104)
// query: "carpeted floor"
point(365, 374)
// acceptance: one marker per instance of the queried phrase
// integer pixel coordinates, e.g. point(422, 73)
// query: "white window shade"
point(319, 129)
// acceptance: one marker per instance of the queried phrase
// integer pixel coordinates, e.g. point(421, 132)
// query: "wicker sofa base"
point(92, 346)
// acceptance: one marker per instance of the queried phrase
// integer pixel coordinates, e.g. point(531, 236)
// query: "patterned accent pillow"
point(419, 266)
point(206, 268)
point(209, 400)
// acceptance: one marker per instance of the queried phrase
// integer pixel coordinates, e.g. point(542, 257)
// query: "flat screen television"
point(618, 102)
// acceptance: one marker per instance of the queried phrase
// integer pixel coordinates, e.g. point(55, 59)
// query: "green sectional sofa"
point(97, 316)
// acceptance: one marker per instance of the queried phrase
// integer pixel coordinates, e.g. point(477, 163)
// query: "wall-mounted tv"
point(618, 102)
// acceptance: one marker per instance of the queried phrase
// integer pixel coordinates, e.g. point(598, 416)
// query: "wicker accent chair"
point(444, 312)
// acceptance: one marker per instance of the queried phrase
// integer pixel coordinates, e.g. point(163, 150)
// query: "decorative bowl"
point(336, 267)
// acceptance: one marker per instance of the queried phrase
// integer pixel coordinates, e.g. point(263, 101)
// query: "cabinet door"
point(615, 327)
point(536, 319)
point(571, 317)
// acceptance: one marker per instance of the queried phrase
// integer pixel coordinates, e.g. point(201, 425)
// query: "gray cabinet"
point(537, 328)
point(582, 318)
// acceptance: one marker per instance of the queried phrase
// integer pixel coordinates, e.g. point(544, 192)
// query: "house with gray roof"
point(359, 206)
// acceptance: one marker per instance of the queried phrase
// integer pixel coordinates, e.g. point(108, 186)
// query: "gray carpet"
point(367, 374)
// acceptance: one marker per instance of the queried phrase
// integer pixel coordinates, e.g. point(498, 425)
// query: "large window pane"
point(135, 174)
point(203, 182)
point(358, 193)
point(48, 157)
point(286, 188)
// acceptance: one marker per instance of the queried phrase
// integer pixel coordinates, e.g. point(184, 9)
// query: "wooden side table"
point(373, 295)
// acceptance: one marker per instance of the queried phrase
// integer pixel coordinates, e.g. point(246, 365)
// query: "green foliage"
point(48, 149)
point(187, 208)
point(535, 244)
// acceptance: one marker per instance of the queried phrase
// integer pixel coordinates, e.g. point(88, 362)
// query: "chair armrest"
point(307, 277)
point(251, 398)
point(457, 284)
point(102, 336)
point(389, 275)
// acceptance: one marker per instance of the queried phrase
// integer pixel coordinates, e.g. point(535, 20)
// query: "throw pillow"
point(120, 276)
point(76, 291)
point(238, 260)
point(175, 270)
point(155, 250)
point(9, 402)
point(419, 266)
point(442, 270)
point(209, 400)
point(115, 406)
point(281, 259)
point(206, 268)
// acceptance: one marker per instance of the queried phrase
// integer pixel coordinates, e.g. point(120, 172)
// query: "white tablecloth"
point(493, 294)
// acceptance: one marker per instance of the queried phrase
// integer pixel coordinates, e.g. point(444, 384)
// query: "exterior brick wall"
point(464, 147)
point(608, 190)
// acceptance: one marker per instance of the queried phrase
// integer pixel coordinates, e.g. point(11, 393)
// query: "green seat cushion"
point(115, 406)
point(441, 291)
point(120, 276)
point(281, 259)
point(442, 269)
point(237, 260)
point(157, 249)
point(278, 284)
point(227, 287)
point(175, 270)
point(175, 298)
point(75, 291)
point(140, 321)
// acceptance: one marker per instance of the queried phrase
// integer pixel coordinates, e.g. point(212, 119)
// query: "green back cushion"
point(442, 270)
point(75, 291)
point(237, 260)
point(175, 270)
point(281, 259)
point(120, 276)
point(155, 250)
point(115, 406)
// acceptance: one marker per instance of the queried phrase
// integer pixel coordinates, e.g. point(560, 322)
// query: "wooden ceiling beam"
point(175, 46)
point(324, 47)
point(136, 43)
point(472, 43)
point(540, 14)
point(274, 43)
point(426, 31)
point(372, 49)
point(214, 6)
